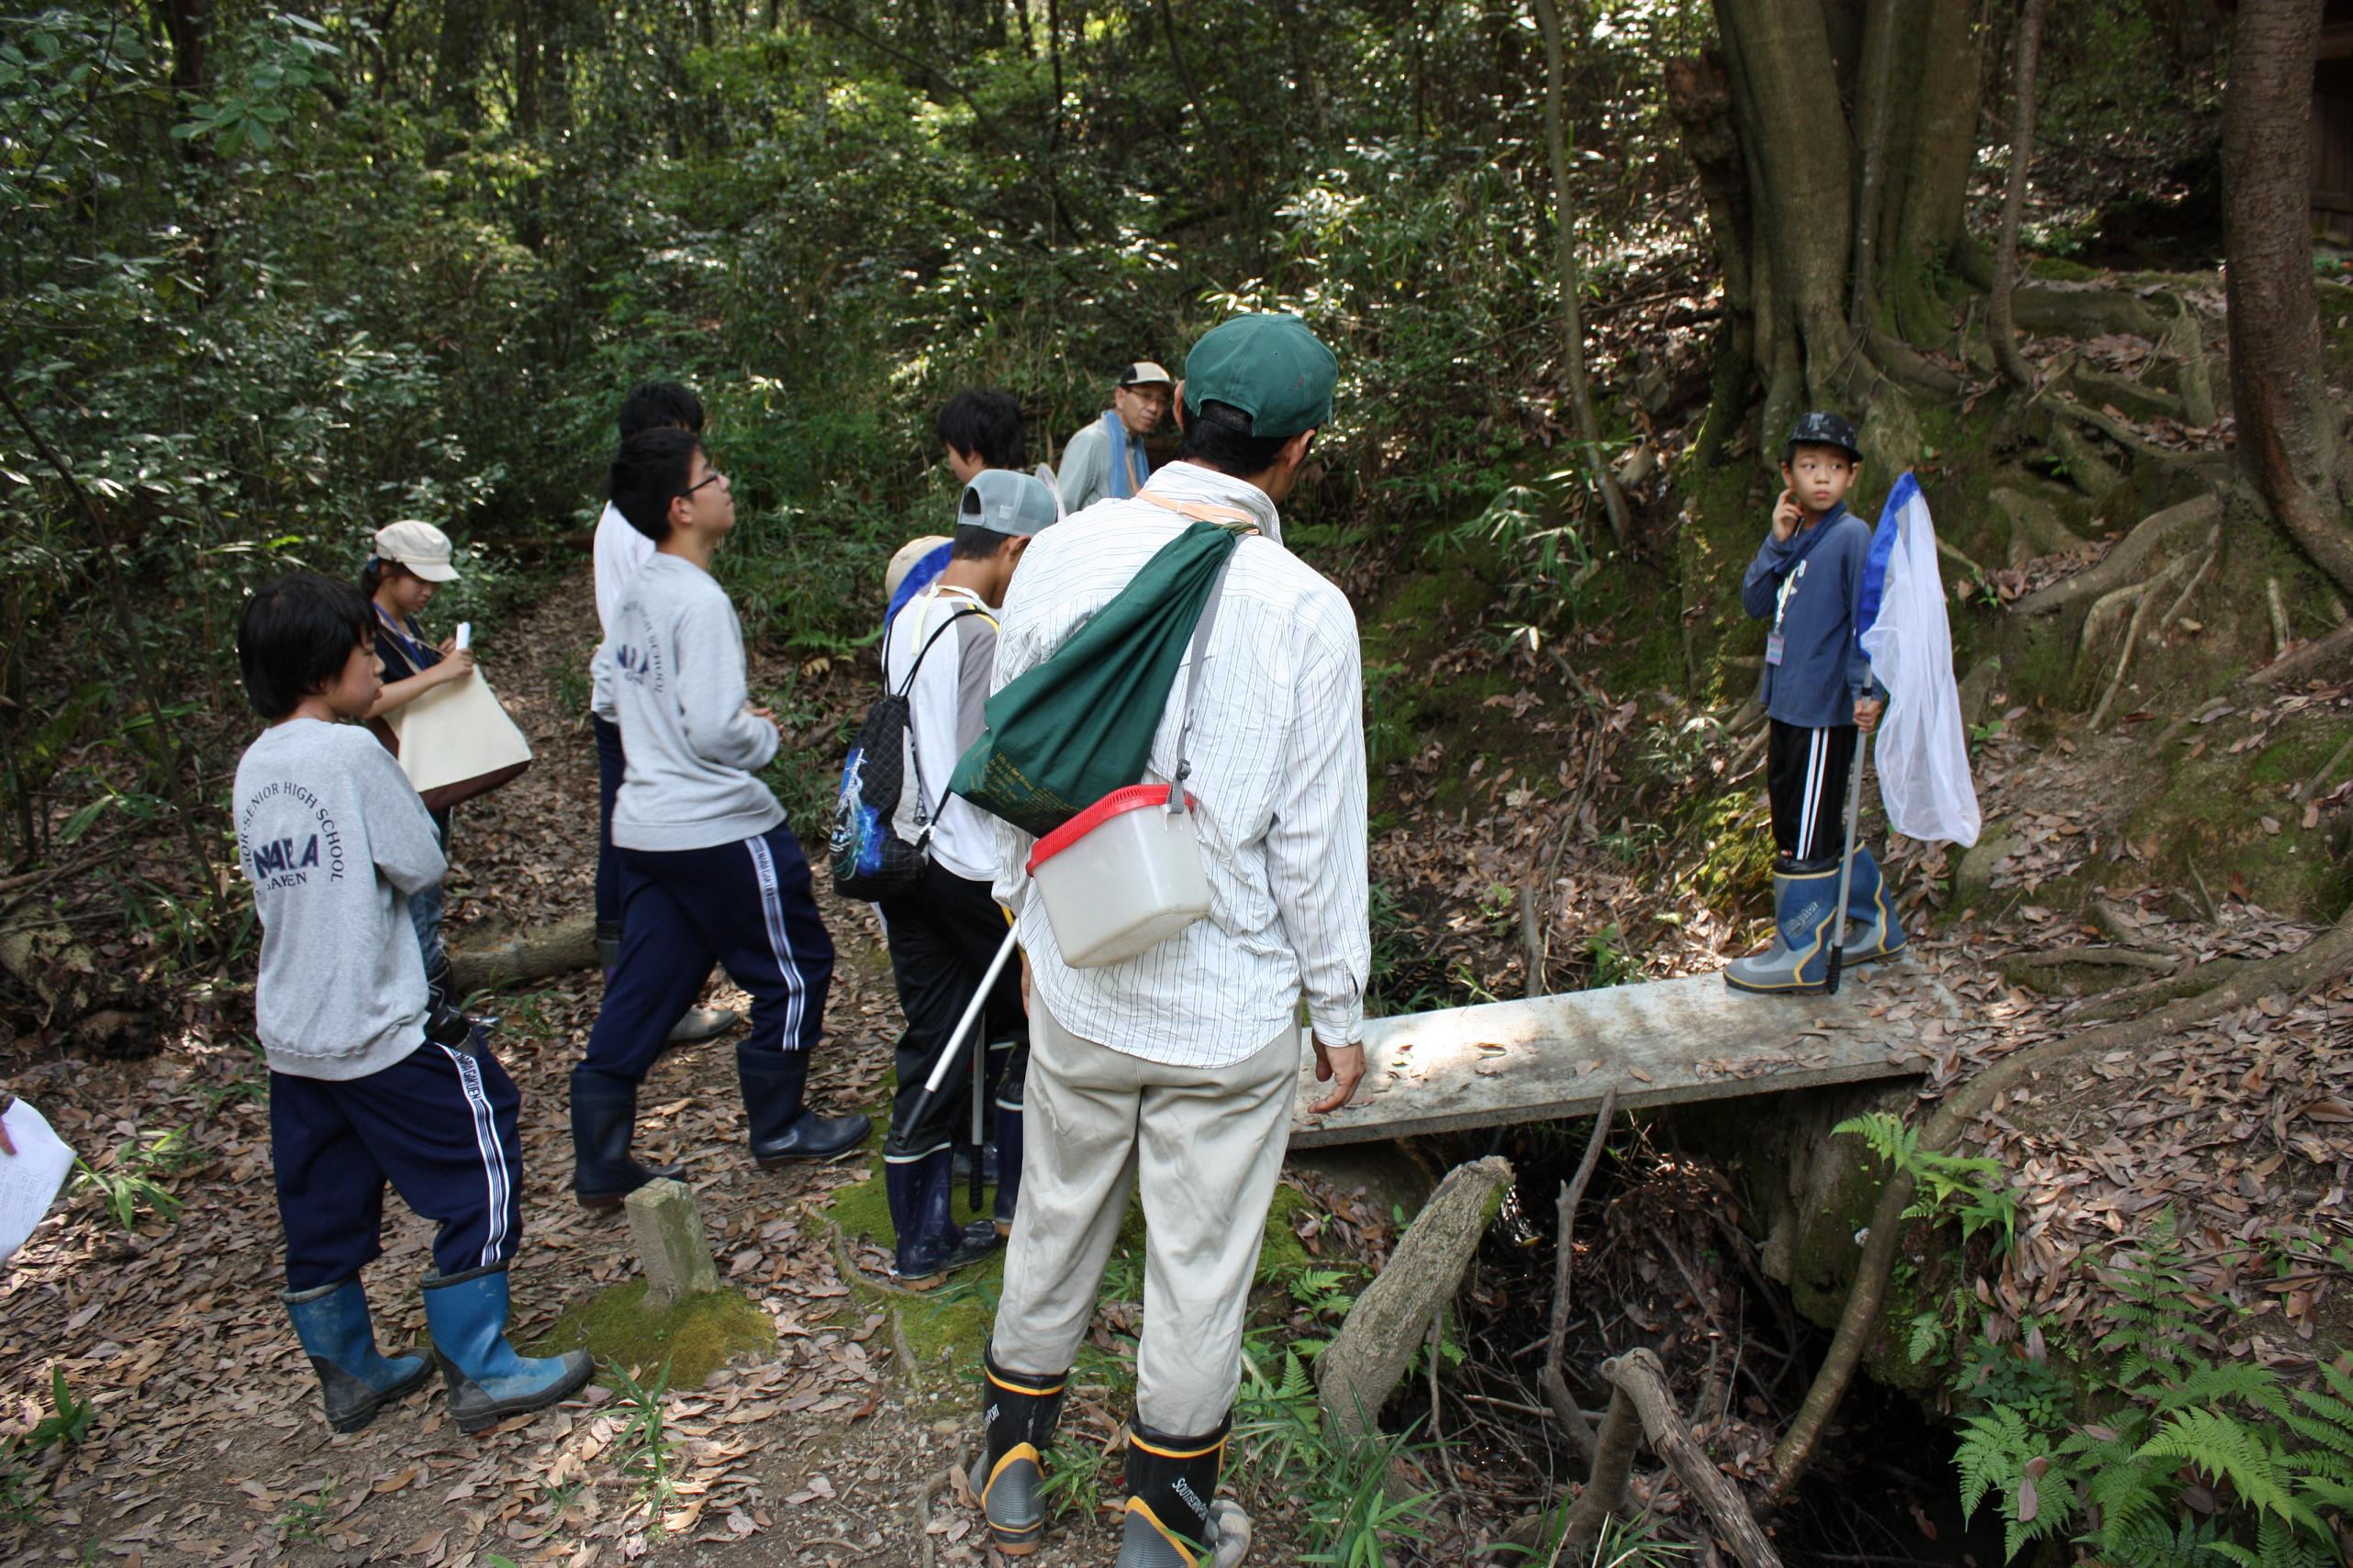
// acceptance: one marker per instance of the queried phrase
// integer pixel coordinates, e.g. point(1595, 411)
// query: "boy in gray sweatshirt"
point(369, 1082)
point(709, 868)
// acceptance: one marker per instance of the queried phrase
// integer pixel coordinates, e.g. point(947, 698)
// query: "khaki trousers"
point(1205, 1145)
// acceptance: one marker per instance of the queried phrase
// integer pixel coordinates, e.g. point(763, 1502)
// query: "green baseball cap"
point(1271, 367)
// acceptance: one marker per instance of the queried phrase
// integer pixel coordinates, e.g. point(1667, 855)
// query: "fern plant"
point(1965, 1187)
point(2277, 1458)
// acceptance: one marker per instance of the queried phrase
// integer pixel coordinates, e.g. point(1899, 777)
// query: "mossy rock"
point(696, 1336)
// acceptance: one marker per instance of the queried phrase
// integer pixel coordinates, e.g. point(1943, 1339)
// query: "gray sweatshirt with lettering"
point(334, 840)
point(674, 664)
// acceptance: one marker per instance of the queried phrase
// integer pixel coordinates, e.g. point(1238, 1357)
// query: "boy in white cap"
point(944, 931)
point(1106, 459)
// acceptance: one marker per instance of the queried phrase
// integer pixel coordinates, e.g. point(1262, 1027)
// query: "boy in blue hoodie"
point(1818, 698)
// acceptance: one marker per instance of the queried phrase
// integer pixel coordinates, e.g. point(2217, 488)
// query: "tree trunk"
point(1572, 286)
point(1787, 66)
point(2290, 438)
point(2002, 330)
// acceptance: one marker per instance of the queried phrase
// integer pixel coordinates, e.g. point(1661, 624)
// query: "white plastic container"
point(1120, 876)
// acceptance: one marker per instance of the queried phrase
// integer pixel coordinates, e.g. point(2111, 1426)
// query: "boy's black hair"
point(650, 404)
point(1217, 435)
point(652, 469)
point(973, 542)
point(295, 636)
point(987, 424)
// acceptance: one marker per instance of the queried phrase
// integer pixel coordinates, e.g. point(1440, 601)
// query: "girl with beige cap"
point(410, 562)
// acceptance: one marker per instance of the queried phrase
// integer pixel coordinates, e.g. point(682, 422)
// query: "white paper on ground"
point(28, 1179)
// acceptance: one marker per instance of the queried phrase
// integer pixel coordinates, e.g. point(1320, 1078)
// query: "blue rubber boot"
point(332, 1324)
point(1876, 930)
point(929, 1244)
point(1804, 902)
point(1022, 1409)
point(487, 1381)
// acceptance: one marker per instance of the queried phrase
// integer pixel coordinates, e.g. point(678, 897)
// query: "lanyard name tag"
point(1773, 647)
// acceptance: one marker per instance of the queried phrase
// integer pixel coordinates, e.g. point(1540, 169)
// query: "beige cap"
point(1144, 372)
point(903, 562)
point(419, 546)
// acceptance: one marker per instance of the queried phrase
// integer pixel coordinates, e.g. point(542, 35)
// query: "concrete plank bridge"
point(1665, 1042)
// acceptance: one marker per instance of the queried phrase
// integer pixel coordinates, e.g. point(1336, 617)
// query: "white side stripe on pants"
point(772, 905)
point(1809, 812)
point(493, 1154)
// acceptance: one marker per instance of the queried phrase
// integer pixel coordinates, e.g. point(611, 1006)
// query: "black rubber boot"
point(1174, 1519)
point(782, 1127)
point(1008, 1477)
point(928, 1243)
point(604, 1114)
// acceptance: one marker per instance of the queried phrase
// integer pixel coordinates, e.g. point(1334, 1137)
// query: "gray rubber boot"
point(1805, 903)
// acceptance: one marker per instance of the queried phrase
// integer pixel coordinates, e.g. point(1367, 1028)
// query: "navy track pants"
point(748, 905)
point(610, 767)
point(439, 1125)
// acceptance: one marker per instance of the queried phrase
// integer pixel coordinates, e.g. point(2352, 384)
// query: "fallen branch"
point(1572, 1193)
point(1643, 1380)
point(1365, 1361)
point(2328, 953)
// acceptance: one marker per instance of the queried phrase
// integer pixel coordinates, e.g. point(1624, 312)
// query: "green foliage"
point(645, 1442)
point(131, 1178)
point(2274, 1458)
point(1354, 1521)
point(300, 1519)
point(1949, 1186)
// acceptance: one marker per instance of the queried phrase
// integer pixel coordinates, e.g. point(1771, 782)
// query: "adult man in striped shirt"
point(1174, 1070)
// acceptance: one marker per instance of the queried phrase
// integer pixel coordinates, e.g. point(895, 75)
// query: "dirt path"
point(208, 1447)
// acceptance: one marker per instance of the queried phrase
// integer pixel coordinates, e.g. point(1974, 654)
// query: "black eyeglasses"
point(714, 478)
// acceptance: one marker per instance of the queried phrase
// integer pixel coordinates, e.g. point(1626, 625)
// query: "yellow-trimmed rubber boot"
point(1805, 903)
point(1010, 1476)
point(1175, 1517)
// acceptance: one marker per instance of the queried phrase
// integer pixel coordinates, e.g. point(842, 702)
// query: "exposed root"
point(2305, 658)
point(2311, 786)
point(2326, 954)
point(2060, 958)
point(1639, 1376)
point(2128, 561)
point(2132, 632)
point(2281, 636)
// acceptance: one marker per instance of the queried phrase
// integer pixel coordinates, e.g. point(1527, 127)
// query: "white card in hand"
point(30, 1177)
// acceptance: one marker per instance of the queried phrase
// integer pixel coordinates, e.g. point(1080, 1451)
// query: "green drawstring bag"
point(1071, 730)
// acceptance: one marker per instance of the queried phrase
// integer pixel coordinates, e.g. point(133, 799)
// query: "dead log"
point(2123, 563)
point(1639, 1376)
point(1572, 1193)
point(1363, 1363)
point(534, 952)
point(76, 986)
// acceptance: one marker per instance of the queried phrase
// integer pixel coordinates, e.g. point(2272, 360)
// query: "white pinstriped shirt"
point(1278, 754)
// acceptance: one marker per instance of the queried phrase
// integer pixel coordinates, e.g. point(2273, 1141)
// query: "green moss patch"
point(2211, 816)
point(696, 1336)
point(947, 1329)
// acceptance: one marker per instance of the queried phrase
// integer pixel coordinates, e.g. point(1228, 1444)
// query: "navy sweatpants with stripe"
point(1805, 780)
point(748, 905)
point(439, 1125)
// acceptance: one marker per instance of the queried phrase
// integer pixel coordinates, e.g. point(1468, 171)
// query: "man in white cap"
point(1106, 459)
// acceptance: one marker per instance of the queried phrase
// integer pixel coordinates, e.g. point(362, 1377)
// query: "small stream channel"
point(1663, 1261)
